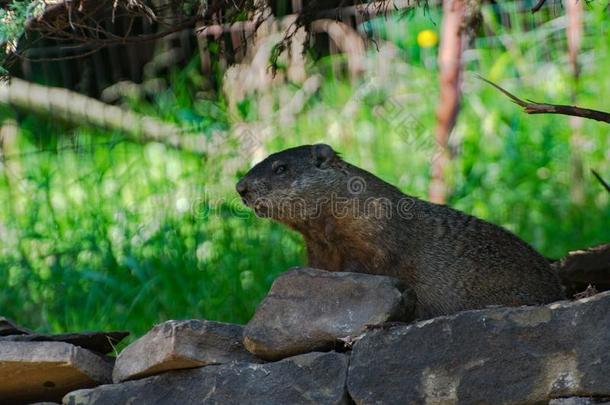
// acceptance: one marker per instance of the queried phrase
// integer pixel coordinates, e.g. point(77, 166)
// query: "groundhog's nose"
point(242, 187)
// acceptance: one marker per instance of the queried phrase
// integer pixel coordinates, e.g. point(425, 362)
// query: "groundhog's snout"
point(242, 187)
point(248, 192)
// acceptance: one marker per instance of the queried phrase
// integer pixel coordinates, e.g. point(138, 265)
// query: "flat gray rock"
point(309, 309)
point(46, 371)
point(522, 355)
point(314, 378)
point(176, 345)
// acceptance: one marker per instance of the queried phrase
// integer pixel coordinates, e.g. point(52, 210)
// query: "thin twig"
point(59, 58)
point(602, 181)
point(532, 107)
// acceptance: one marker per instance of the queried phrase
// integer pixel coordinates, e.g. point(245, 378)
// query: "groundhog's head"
point(292, 184)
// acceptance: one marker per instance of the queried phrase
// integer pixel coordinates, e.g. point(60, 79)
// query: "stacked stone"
point(35, 367)
point(344, 338)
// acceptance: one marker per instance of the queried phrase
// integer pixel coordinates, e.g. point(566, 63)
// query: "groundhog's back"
point(463, 262)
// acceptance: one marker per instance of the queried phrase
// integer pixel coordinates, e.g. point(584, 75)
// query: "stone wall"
point(335, 338)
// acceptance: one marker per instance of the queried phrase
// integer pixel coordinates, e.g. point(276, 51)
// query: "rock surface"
point(314, 378)
point(45, 403)
point(309, 309)
point(520, 355)
point(100, 342)
point(583, 267)
point(175, 345)
point(45, 371)
point(579, 401)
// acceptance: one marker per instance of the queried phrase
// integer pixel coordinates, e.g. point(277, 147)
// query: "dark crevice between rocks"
point(348, 398)
point(98, 342)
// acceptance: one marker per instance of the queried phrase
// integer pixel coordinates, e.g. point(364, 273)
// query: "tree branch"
point(532, 107)
point(76, 108)
point(538, 5)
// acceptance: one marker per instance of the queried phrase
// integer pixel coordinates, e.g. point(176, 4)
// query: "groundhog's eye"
point(279, 169)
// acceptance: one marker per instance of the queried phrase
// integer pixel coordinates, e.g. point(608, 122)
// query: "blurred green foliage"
point(97, 233)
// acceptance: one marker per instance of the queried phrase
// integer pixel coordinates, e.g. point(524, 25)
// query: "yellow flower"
point(427, 38)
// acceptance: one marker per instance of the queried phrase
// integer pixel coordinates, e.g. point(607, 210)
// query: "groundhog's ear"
point(323, 155)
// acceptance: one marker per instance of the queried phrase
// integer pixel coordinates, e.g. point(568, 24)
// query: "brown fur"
point(453, 261)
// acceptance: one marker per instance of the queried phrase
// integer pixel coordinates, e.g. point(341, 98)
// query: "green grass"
point(97, 233)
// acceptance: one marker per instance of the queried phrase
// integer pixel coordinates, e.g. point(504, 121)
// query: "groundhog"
point(353, 221)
